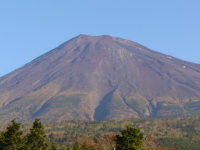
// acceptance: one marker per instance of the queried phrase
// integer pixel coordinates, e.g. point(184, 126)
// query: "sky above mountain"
point(29, 29)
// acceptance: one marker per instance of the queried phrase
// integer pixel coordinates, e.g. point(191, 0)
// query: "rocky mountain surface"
point(100, 78)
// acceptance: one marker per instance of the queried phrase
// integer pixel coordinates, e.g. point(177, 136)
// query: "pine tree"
point(130, 139)
point(11, 138)
point(36, 139)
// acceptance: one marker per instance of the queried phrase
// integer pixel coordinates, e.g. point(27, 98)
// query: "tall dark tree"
point(11, 138)
point(130, 139)
point(36, 139)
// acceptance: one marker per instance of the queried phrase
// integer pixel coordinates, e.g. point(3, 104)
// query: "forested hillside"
point(181, 132)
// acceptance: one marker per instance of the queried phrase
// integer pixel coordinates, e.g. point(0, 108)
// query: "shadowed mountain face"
point(100, 78)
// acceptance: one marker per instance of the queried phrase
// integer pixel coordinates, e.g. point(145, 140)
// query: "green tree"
point(11, 138)
point(76, 146)
point(36, 139)
point(53, 146)
point(130, 139)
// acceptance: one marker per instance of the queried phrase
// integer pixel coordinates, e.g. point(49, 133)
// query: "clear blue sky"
point(30, 28)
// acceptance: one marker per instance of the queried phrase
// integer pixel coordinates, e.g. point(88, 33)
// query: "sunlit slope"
point(100, 78)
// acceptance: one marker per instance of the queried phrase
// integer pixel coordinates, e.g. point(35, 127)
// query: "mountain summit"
point(100, 78)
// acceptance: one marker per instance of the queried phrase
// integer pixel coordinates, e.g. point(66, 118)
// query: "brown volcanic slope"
point(100, 78)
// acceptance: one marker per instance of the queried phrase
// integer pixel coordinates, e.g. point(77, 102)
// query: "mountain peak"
point(100, 78)
point(82, 35)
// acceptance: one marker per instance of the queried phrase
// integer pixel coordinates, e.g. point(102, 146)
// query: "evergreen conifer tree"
point(36, 139)
point(11, 138)
point(130, 139)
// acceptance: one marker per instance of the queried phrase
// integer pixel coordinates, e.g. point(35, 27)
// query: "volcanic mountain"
point(100, 78)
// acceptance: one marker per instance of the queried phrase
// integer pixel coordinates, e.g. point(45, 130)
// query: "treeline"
point(182, 133)
point(130, 138)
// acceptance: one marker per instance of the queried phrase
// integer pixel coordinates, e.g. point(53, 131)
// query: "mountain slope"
point(100, 78)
